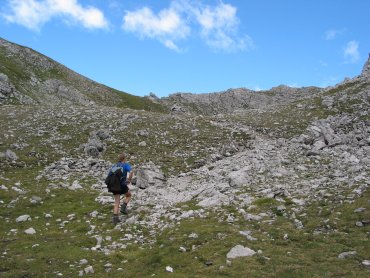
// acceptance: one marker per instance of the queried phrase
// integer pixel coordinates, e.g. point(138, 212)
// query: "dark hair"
point(121, 157)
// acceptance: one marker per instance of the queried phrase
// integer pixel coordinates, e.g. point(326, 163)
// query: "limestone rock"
point(240, 177)
point(169, 269)
point(35, 200)
point(366, 263)
point(75, 185)
point(9, 155)
point(240, 251)
point(23, 218)
point(30, 231)
point(149, 175)
point(89, 269)
point(93, 147)
point(346, 255)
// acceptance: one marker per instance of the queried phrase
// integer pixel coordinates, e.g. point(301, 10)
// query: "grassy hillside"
point(28, 70)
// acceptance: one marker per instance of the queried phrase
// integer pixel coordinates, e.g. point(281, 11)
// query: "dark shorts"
point(124, 189)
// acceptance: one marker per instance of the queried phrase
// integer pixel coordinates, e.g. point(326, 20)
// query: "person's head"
point(122, 157)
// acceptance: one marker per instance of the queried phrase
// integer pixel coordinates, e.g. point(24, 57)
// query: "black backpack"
point(113, 180)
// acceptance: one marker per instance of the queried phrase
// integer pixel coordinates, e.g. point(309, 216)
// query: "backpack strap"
point(114, 168)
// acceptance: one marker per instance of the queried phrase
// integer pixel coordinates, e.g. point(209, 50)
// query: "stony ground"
point(279, 191)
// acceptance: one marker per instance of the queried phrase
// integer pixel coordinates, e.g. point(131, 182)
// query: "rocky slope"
point(28, 77)
point(278, 179)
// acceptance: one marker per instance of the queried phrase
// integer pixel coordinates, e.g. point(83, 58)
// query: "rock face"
point(323, 135)
point(235, 99)
point(57, 91)
point(6, 89)
point(9, 94)
point(366, 69)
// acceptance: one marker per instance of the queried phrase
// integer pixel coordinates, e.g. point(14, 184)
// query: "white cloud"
point(219, 27)
point(222, 16)
point(34, 14)
point(218, 24)
point(351, 52)
point(333, 34)
point(168, 26)
point(29, 13)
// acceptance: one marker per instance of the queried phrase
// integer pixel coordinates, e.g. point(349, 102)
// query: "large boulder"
point(149, 175)
point(323, 135)
point(93, 147)
point(240, 251)
point(240, 177)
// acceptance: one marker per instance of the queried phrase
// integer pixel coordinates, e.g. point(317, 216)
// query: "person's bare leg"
point(127, 197)
point(116, 203)
point(125, 202)
point(116, 208)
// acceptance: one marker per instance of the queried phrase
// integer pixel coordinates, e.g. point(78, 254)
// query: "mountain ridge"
point(29, 77)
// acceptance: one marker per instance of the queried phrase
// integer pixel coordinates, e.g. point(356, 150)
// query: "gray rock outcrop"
point(235, 99)
point(346, 255)
point(240, 251)
point(6, 89)
point(366, 69)
point(95, 147)
point(149, 175)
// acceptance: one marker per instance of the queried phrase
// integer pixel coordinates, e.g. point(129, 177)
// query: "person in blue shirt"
point(126, 170)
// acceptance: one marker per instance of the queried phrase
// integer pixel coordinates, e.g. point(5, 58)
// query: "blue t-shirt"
point(125, 169)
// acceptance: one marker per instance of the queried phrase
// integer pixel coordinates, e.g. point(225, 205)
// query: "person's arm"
point(130, 176)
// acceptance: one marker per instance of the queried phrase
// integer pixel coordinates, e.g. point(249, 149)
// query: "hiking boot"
point(115, 219)
point(124, 208)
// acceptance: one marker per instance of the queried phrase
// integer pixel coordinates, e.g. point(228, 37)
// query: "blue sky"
point(196, 46)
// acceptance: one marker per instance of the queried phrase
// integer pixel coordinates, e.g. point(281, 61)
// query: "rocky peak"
point(366, 69)
point(283, 89)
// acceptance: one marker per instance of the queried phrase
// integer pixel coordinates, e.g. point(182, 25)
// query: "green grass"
point(10, 67)
point(304, 254)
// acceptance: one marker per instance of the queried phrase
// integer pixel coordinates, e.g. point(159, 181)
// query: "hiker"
point(124, 181)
